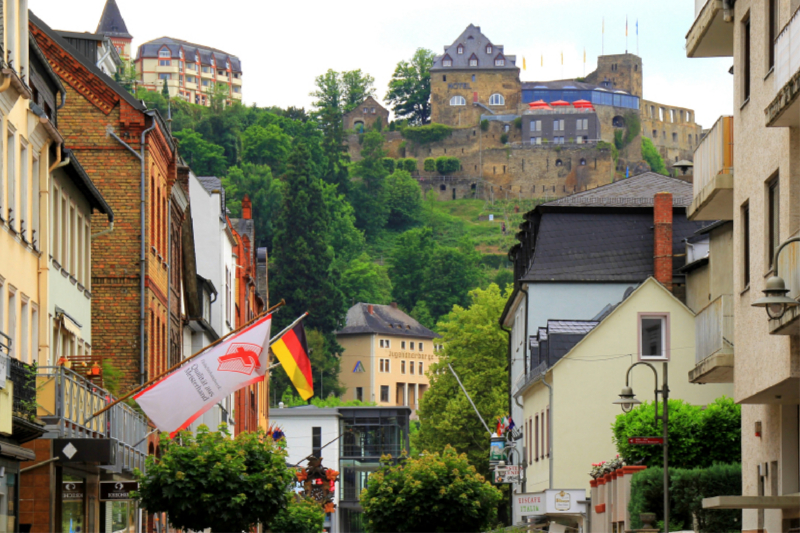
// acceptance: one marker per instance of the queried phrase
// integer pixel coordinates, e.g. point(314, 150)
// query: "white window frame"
point(421, 347)
point(388, 393)
point(164, 52)
point(447, 62)
point(488, 48)
point(473, 62)
point(460, 50)
point(497, 99)
point(499, 62)
point(458, 100)
point(665, 336)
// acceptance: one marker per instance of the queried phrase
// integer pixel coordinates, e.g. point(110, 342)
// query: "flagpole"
point(177, 365)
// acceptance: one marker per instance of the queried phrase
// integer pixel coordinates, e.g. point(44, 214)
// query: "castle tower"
point(618, 71)
point(113, 26)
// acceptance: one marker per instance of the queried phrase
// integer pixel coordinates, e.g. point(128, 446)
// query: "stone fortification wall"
point(672, 130)
point(480, 84)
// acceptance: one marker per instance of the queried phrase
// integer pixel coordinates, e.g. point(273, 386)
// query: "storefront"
point(558, 510)
point(10, 457)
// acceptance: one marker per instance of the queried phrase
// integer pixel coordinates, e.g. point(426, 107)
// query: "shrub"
point(389, 164)
point(484, 125)
point(651, 154)
point(429, 165)
point(429, 133)
point(504, 138)
point(392, 125)
point(518, 123)
point(378, 124)
point(409, 164)
point(447, 165)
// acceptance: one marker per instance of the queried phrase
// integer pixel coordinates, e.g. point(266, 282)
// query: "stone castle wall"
point(469, 84)
point(672, 130)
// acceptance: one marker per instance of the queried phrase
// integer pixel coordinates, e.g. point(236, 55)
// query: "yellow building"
point(386, 355)
point(567, 428)
point(191, 71)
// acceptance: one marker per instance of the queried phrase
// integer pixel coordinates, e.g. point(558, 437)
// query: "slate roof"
point(551, 343)
point(191, 50)
point(210, 183)
point(384, 319)
point(474, 42)
point(637, 191)
point(111, 21)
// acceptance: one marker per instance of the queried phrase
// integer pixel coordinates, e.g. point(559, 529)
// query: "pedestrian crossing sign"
point(359, 367)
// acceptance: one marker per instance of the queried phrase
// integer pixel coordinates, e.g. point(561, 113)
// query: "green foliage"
point(346, 240)
point(518, 123)
point(476, 347)
point(366, 281)
point(389, 164)
point(448, 277)
point(165, 90)
point(484, 125)
point(435, 492)
point(378, 124)
point(409, 164)
point(205, 158)
point(653, 157)
point(430, 133)
point(404, 198)
point(111, 376)
point(619, 139)
point(411, 254)
point(266, 195)
point(503, 278)
point(447, 165)
point(504, 138)
point(356, 87)
point(368, 195)
point(422, 314)
point(697, 437)
point(687, 488)
point(266, 146)
point(209, 480)
point(289, 399)
point(409, 91)
point(429, 165)
point(301, 515)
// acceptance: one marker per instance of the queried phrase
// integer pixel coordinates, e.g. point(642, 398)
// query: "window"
point(773, 222)
point(164, 63)
point(12, 180)
point(360, 394)
point(402, 345)
point(447, 63)
point(488, 48)
point(24, 354)
point(458, 100)
point(402, 367)
point(35, 203)
point(384, 393)
point(372, 110)
point(12, 322)
point(497, 99)
point(746, 244)
point(653, 336)
point(473, 60)
point(164, 53)
point(536, 441)
point(385, 367)
point(772, 31)
point(163, 76)
point(380, 343)
point(460, 49)
point(444, 78)
point(191, 66)
point(655, 134)
point(499, 62)
point(473, 78)
point(206, 70)
point(316, 441)
point(221, 73)
point(388, 343)
point(674, 137)
point(558, 125)
point(205, 84)
point(421, 347)
point(421, 371)
point(411, 367)
point(746, 60)
point(548, 431)
point(24, 222)
point(412, 345)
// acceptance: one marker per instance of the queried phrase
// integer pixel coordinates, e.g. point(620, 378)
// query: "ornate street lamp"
point(775, 299)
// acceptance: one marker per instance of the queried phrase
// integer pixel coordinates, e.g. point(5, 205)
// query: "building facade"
point(193, 72)
point(386, 356)
point(364, 116)
point(761, 198)
point(113, 26)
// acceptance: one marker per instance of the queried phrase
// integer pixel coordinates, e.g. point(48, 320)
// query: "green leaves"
point(651, 154)
point(433, 492)
point(366, 281)
point(410, 88)
point(302, 515)
point(205, 158)
point(404, 198)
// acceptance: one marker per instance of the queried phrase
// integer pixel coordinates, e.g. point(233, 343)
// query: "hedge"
point(687, 488)
point(430, 133)
point(389, 164)
point(447, 165)
point(409, 164)
point(429, 165)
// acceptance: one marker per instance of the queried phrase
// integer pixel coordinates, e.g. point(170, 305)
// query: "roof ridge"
point(189, 43)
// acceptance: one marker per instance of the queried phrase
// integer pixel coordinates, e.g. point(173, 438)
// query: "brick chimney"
point(370, 309)
point(247, 208)
point(662, 249)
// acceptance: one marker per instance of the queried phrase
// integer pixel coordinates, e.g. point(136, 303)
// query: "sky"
point(285, 45)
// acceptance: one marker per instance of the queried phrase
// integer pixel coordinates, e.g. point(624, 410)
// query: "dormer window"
point(488, 48)
point(460, 49)
point(228, 65)
point(500, 61)
point(181, 54)
point(473, 60)
point(164, 52)
point(197, 58)
point(447, 61)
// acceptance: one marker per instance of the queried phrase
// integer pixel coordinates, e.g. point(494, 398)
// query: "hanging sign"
point(117, 490)
point(506, 475)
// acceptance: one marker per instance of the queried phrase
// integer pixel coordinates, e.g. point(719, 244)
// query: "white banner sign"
point(507, 474)
point(551, 501)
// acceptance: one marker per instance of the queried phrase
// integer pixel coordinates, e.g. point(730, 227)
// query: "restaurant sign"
point(551, 501)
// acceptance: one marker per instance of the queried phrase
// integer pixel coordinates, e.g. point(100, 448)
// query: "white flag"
point(181, 397)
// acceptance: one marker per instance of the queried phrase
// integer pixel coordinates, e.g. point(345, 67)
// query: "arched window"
point(460, 49)
point(559, 162)
point(497, 99)
point(583, 162)
point(358, 126)
point(618, 122)
point(458, 100)
point(442, 187)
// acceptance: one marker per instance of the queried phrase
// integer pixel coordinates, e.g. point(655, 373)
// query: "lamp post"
point(627, 400)
point(775, 299)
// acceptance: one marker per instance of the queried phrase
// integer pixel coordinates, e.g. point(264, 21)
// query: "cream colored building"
point(191, 71)
point(586, 380)
point(386, 356)
point(756, 186)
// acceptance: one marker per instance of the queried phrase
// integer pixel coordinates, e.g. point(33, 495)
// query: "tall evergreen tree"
point(369, 193)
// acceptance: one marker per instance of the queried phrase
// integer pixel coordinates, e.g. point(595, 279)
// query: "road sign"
point(645, 440)
point(507, 474)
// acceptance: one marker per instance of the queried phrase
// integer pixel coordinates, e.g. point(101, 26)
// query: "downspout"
point(58, 163)
point(6, 84)
point(169, 276)
point(549, 427)
point(525, 343)
point(143, 248)
point(727, 10)
point(44, 253)
point(510, 405)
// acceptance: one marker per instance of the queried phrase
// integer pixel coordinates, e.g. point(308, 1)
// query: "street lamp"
point(775, 299)
point(627, 400)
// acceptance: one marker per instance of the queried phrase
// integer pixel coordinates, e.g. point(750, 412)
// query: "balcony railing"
point(714, 329)
point(714, 154)
point(24, 379)
point(66, 403)
point(787, 52)
point(789, 268)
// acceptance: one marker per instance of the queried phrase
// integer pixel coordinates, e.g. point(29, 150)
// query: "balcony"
point(66, 402)
point(789, 270)
point(784, 110)
point(713, 174)
point(18, 400)
point(714, 342)
point(710, 35)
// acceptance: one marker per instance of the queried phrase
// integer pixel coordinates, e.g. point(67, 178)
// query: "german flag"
point(292, 352)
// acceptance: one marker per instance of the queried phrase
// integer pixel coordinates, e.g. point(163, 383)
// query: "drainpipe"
point(143, 249)
point(727, 10)
point(524, 290)
point(169, 276)
point(58, 163)
point(6, 83)
point(549, 427)
point(508, 359)
point(108, 230)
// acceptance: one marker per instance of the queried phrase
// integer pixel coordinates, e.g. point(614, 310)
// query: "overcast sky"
point(285, 45)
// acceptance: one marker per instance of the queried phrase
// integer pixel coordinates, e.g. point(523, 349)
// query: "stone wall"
point(367, 112)
point(469, 83)
point(624, 71)
point(672, 130)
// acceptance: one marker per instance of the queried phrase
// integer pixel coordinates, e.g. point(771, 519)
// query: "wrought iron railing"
point(66, 403)
point(714, 328)
point(24, 379)
point(533, 374)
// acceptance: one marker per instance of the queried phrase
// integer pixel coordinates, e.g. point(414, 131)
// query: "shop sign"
point(566, 501)
point(529, 504)
point(72, 490)
point(117, 490)
point(507, 474)
point(496, 451)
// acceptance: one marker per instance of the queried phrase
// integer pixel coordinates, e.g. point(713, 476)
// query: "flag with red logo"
point(182, 396)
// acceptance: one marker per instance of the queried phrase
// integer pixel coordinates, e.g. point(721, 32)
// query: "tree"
point(328, 113)
point(366, 281)
point(368, 197)
point(265, 194)
point(301, 256)
point(205, 158)
point(410, 256)
point(476, 347)
point(324, 371)
point(447, 165)
point(653, 157)
point(266, 146)
point(410, 88)
point(165, 89)
point(698, 437)
point(434, 492)
point(209, 480)
point(346, 240)
point(301, 515)
point(356, 87)
point(449, 276)
point(404, 198)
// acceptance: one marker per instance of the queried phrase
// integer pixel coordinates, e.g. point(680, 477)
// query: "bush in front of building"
point(429, 165)
point(430, 133)
point(447, 165)
point(389, 164)
point(409, 164)
point(432, 492)
point(208, 480)
point(300, 516)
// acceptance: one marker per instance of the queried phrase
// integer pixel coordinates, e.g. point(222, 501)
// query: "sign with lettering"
point(565, 501)
point(411, 355)
point(459, 86)
point(645, 440)
point(507, 474)
point(72, 490)
point(529, 504)
point(117, 490)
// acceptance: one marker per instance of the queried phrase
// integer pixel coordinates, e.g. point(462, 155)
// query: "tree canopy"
point(410, 88)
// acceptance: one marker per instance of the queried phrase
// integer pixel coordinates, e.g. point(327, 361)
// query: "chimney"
point(394, 305)
point(247, 208)
point(370, 309)
point(662, 249)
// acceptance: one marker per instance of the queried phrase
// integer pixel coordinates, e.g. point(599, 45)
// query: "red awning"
point(539, 104)
point(559, 103)
point(582, 104)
